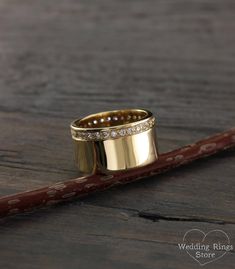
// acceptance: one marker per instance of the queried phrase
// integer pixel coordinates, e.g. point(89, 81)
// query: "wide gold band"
point(114, 140)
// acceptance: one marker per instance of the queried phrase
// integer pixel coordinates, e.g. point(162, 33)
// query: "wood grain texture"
point(63, 59)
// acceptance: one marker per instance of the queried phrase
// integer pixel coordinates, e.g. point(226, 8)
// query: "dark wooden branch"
point(82, 186)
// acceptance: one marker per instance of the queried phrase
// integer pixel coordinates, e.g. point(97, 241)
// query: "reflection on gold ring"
point(114, 140)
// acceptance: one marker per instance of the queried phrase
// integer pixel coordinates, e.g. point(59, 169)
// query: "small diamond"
point(151, 123)
point(133, 129)
point(122, 132)
point(134, 117)
point(89, 135)
point(129, 131)
point(108, 118)
point(83, 135)
point(145, 126)
point(115, 118)
point(95, 121)
point(78, 134)
point(105, 135)
point(138, 128)
point(97, 135)
point(113, 134)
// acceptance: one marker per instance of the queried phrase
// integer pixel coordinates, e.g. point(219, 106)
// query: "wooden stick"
point(82, 186)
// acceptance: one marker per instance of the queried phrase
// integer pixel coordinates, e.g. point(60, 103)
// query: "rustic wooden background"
point(62, 59)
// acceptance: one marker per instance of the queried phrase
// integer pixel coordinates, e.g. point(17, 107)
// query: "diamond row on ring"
point(113, 133)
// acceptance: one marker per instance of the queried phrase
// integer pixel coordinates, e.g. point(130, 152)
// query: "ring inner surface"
point(112, 118)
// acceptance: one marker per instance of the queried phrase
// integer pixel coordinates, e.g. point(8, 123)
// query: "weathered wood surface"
point(64, 59)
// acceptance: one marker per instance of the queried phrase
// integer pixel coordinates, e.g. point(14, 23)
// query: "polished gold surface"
point(114, 140)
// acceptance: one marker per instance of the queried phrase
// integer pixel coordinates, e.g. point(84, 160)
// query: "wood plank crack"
point(157, 217)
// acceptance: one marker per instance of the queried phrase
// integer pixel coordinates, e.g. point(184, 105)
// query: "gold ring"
point(114, 140)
